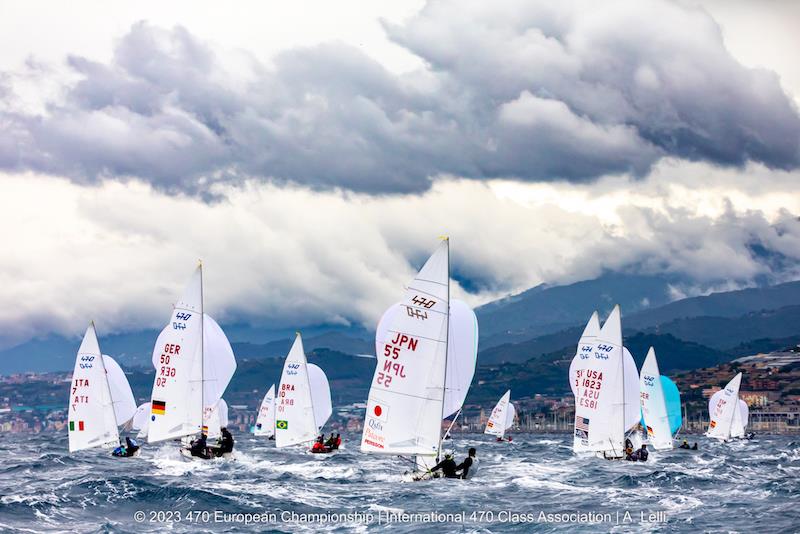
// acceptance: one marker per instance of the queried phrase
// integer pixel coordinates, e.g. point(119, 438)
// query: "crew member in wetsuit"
point(225, 443)
point(685, 445)
point(319, 445)
point(130, 446)
point(330, 441)
point(642, 454)
point(337, 442)
point(199, 448)
point(448, 467)
point(466, 464)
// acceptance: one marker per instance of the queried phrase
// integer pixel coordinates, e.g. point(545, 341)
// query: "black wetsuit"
point(225, 444)
point(464, 466)
point(448, 467)
point(643, 454)
point(199, 448)
point(130, 447)
point(685, 446)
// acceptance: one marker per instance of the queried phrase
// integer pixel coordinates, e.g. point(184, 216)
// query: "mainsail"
point(265, 422)
point(603, 373)
point(462, 350)
point(91, 419)
point(502, 417)
point(654, 406)
point(141, 420)
point(727, 413)
point(303, 404)
point(406, 402)
point(194, 363)
point(121, 394)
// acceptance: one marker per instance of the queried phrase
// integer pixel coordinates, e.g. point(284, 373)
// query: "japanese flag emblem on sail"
point(379, 411)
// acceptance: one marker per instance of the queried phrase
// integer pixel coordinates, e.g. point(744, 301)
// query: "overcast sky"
point(312, 155)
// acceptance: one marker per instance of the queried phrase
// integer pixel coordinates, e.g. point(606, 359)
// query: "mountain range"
point(526, 337)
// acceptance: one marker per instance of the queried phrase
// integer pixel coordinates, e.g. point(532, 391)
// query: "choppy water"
point(741, 487)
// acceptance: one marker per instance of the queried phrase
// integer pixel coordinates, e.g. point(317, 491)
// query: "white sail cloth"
point(91, 420)
point(727, 413)
point(141, 420)
point(215, 419)
point(320, 395)
point(194, 363)
point(502, 416)
point(405, 407)
point(265, 421)
point(121, 394)
point(604, 375)
point(462, 350)
point(303, 402)
point(654, 406)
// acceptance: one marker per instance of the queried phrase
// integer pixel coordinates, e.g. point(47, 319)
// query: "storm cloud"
point(518, 90)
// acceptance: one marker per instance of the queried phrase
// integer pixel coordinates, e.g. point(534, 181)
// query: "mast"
point(108, 386)
point(446, 348)
point(202, 352)
point(310, 396)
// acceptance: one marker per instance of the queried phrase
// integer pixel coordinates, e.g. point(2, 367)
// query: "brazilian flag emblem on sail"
point(281, 424)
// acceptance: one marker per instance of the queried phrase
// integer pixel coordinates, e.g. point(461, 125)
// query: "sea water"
point(534, 483)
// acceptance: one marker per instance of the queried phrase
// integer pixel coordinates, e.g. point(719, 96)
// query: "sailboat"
point(101, 399)
point(426, 347)
point(194, 363)
point(605, 382)
point(502, 417)
point(728, 414)
point(265, 422)
point(661, 404)
point(303, 405)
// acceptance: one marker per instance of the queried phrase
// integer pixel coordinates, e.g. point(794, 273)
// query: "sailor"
point(337, 442)
point(642, 453)
point(319, 445)
point(130, 446)
point(448, 467)
point(629, 454)
point(330, 441)
point(225, 443)
point(685, 444)
point(694, 447)
point(467, 463)
point(199, 447)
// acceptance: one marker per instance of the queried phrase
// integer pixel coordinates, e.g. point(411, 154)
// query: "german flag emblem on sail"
point(204, 430)
point(281, 424)
point(159, 407)
point(649, 431)
point(72, 426)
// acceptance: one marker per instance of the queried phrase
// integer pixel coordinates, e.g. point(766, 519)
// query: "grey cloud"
point(529, 91)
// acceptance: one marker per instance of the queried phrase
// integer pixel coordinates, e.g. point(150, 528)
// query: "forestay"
point(406, 398)
point(91, 421)
point(499, 419)
point(121, 394)
point(265, 422)
point(294, 410)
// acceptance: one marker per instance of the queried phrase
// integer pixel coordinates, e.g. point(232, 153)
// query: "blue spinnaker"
point(672, 398)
